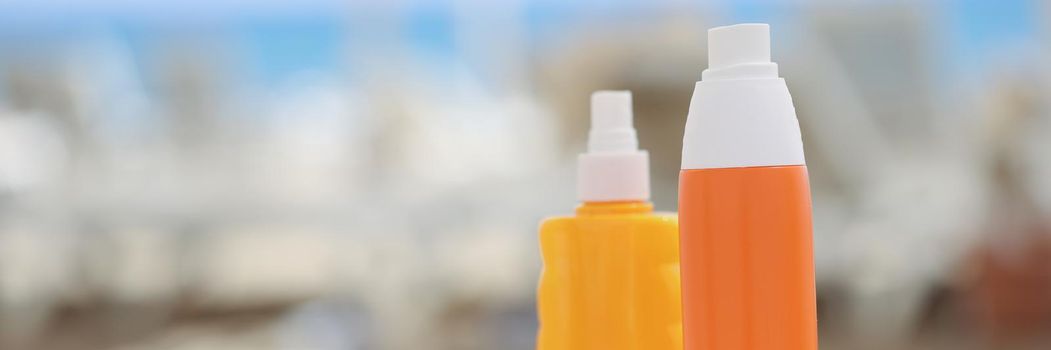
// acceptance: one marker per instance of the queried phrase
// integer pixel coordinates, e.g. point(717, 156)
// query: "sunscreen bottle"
point(610, 279)
point(744, 205)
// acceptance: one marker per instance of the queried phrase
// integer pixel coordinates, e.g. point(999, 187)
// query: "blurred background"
point(323, 174)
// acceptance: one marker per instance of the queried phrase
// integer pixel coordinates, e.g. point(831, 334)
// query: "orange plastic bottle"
point(744, 205)
point(611, 272)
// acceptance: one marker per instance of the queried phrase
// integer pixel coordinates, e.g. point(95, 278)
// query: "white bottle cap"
point(739, 51)
point(741, 114)
point(613, 169)
point(737, 44)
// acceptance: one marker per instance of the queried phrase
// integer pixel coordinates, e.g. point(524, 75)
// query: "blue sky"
point(285, 36)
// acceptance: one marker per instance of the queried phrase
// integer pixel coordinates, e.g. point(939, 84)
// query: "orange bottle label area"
point(610, 280)
point(747, 259)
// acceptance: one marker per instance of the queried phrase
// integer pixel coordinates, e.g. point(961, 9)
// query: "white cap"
point(739, 51)
point(741, 114)
point(613, 168)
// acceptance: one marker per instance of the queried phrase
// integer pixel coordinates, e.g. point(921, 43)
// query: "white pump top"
point(613, 168)
point(741, 114)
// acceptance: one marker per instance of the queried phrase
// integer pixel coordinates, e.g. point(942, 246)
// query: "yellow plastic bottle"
point(611, 272)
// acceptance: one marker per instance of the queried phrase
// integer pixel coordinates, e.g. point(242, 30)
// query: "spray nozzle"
point(611, 123)
point(739, 51)
point(613, 168)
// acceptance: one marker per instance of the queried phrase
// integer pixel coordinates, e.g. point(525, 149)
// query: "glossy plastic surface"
point(747, 259)
point(610, 280)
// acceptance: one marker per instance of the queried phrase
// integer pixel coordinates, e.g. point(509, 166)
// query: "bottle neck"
point(618, 207)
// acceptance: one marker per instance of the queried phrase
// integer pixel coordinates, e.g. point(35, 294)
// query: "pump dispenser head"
point(613, 169)
point(611, 123)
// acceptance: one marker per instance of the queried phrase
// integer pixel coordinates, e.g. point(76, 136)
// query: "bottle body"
point(747, 259)
point(610, 279)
